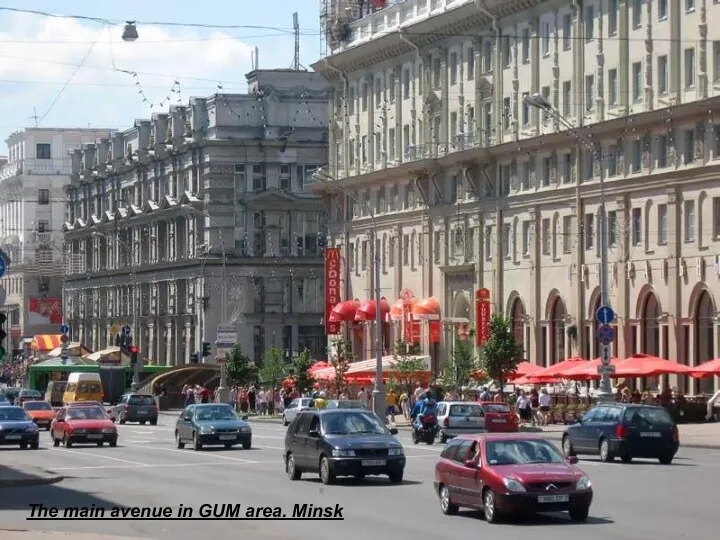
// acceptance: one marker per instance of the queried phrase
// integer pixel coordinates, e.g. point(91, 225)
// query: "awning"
point(344, 311)
point(427, 309)
point(365, 367)
point(74, 348)
point(367, 311)
point(46, 342)
point(397, 312)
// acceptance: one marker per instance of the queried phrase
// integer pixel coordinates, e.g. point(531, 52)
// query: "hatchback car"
point(40, 412)
point(458, 417)
point(295, 407)
point(499, 417)
point(342, 442)
point(83, 425)
point(623, 430)
point(211, 424)
point(16, 428)
point(507, 475)
point(135, 408)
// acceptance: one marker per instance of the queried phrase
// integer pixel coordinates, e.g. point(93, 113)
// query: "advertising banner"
point(332, 288)
point(435, 331)
point(44, 311)
point(411, 327)
point(482, 316)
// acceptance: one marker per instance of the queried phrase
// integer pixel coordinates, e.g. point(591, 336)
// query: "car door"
point(312, 444)
point(185, 424)
point(120, 406)
point(302, 428)
point(598, 424)
point(464, 476)
point(58, 429)
point(292, 410)
point(466, 417)
point(580, 433)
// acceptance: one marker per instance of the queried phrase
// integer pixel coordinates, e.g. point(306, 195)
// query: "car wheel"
point(396, 477)
point(56, 442)
point(605, 454)
point(626, 459)
point(47, 428)
point(247, 445)
point(153, 422)
point(489, 507)
point(113, 443)
point(665, 460)
point(178, 442)
point(121, 420)
point(67, 443)
point(23, 445)
point(292, 471)
point(228, 446)
point(35, 445)
point(326, 474)
point(142, 422)
point(579, 514)
point(567, 446)
point(446, 505)
point(443, 438)
point(285, 422)
point(197, 445)
point(100, 444)
point(359, 477)
point(414, 437)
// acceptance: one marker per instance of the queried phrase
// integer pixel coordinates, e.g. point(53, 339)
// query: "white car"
point(296, 406)
point(458, 417)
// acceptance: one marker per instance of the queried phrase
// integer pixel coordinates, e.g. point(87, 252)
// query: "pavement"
point(26, 476)
point(636, 501)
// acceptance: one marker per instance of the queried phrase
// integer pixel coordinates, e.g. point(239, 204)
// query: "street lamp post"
point(378, 395)
point(540, 102)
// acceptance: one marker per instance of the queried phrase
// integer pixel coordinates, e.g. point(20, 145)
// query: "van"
point(54, 393)
point(83, 387)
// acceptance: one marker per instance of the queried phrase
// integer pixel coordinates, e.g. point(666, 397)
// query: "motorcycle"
point(428, 431)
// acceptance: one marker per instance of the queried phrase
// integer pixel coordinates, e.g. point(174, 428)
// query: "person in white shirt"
point(544, 402)
point(362, 395)
point(523, 407)
point(261, 402)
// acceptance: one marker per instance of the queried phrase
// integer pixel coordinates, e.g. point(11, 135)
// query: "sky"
point(63, 72)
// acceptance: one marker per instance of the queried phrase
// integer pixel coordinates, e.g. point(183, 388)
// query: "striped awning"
point(47, 342)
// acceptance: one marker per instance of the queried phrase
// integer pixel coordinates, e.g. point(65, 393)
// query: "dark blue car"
point(623, 430)
point(16, 428)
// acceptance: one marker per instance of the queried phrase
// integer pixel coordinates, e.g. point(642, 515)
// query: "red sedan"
point(87, 425)
point(499, 417)
point(506, 475)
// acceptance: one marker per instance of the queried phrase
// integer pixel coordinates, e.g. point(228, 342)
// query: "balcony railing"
point(36, 166)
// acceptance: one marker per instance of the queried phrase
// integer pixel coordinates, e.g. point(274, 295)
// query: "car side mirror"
point(314, 433)
point(571, 460)
point(245, 417)
point(472, 464)
point(393, 431)
point(187, 417)
point(578, 421)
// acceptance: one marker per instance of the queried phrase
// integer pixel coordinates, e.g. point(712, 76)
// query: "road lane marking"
point(101, 456)
point(188, 453)
point(164, 466)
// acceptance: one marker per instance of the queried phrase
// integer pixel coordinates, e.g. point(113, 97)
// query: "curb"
point(31, 482)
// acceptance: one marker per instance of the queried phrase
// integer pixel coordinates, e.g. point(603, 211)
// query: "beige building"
point(469, 187)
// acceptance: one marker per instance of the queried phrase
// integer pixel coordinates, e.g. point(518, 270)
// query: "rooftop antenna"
point(35, 116)
point(296, 31)
point(256, 59)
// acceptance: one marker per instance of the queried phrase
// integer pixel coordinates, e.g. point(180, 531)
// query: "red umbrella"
point(366, 311)
point(319, 365)
point(586, 371)
point(524, 369)
point(644, 365)
point(344, 311)
point(707, 369)
point(556, 370)
point(531, 379)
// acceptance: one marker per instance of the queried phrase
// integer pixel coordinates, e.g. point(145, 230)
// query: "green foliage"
point(239, 370)
point(456, 370)
point(501, 353)
point(303, 379)
point(273, 369)
point(341, 360)
point(406, 365)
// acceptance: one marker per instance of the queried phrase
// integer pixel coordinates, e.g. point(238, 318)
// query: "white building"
point(472, 188)
point(201, 218)
point(32, 211)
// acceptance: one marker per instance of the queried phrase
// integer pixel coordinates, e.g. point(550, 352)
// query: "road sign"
point(64, 329)
point(606, 370)
point(64, 355)
point(605, 315)
point(126, 331)
point(605, 354)
point(606, 334)
point(227, 333)
point(407, 296)
point(64, 339)
point(3, 266)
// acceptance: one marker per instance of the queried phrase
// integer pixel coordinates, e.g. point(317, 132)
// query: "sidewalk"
point(52, 535)
point(23, 476)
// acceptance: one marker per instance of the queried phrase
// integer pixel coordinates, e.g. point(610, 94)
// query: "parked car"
point(499, 417)
point(346, 404)
point(135, 408)
point(295, 407)
point(458, 417)
point(623, 430)
point(28, 395)
point(4, 401)
point(54, 393)
point(40, 412)
point(506, 475)
point(16, 427)
point(211, 424)
point(342, 443)
point(85, 424)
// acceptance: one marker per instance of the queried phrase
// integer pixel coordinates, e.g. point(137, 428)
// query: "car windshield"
point(497, 408)
point(466, 409)
point(205, 414)
point(141, 400)
point(37, 406)
point(349, 404)
point(510, 452)
point(86, 413)
point(3, 397)
point(13, 414)
point(353, 423)
point(30, 393)
point(648, 416)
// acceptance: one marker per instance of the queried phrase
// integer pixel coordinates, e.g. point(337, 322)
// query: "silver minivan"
point(459, 417)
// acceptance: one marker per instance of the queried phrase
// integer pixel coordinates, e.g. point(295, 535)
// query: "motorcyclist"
point(421, 408)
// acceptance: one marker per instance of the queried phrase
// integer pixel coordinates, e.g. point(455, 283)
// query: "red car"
point(88, 425)
point(499, 417)
point(506, 475)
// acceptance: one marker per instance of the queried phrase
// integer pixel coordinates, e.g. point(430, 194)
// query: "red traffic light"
point(134, 350)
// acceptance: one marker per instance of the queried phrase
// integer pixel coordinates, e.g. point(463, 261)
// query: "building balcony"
point(36, 167)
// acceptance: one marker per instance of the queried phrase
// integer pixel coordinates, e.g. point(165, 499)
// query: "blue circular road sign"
point(64, 329)
point(126, 331)
point(3, 266)
point(605, 315)
point(606, 334)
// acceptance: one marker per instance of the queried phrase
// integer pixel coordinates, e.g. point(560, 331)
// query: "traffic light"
point(3, 334)
point(195, 358)
point(133, 354)
point(207, 349)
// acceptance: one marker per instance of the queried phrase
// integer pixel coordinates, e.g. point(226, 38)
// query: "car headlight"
point(206, 431)
point(395, 451)
point(245, 429)
point(513, 485)
point(583, 483)
point(108, 430)
point(32, 429)
point(343, 453)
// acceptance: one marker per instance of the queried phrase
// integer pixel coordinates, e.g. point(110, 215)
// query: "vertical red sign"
point(332, 288)
point(411, 328)
point(435, 331)
point(482, 316)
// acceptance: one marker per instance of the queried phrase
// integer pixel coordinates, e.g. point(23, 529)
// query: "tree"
point(239, 370)
point(341, 362)
point(405, 365)
point(303, 378)
point(501, 353)
point(273, 369)
point(456, 370)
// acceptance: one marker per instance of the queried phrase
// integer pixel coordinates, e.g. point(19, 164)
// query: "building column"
point(95, 337)
point(168, 344)
point(617, 278)
point(548, 329)
point(187, 336)
point(109, 342)
point(674, 277)
point(151, 344)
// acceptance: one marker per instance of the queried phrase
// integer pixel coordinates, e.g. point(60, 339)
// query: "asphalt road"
point(632, 502)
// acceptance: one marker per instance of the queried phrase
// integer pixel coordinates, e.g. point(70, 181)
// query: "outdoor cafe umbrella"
point(555, 371)
point(707, 369)
point(644, 365)
point(584, 371)
point(524, 369)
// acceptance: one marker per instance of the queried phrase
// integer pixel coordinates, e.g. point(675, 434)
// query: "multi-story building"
point(471, 187)
point(200, 222)
point(32, 209)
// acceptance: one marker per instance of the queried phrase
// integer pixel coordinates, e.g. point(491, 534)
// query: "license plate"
point(13, 437)
point(94, 436)
point(374, 463)
point(653, 434)
point(499, 421)
point(227, 437)
point(142, 412)
point(553, 498)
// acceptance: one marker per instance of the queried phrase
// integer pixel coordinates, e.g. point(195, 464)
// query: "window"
point(406, 250)
point(526, 238)
point(637, 81)
point(567, 235)
point(567, 31)
point(488, 243)
point(689, 217)
point(689, 68)
point(364, 97)
point(470, 67)
point(453, 126)
point(662, 9)
point(285, 177)
point(437, 68)
point(378, 147)
point(351, 152)
point(391, 251)
point(567, 168)
point(689, 5)
point(406, 83)
point(507, 228)
point(239, 179)
point(612, 87)
point(526, 46)
point(507, 113)
point(43, 226)
point(258, 178)
point(567, 96)
point(363, 149)
point(42, 151)
point(351, 101)
point(612, 229)
point(662, 224)
point(524, 175)
point(406, 138)
point(547, 169)
point(612, 17)
point(546, 240)
point(391, 144)
point(525, 109)
point(613, 152)
point(351, 257)
point(636, 156)
point(545, 39)
point(364, 255)
point(378, 92)
point(636, 13)
point(436, 246)
point(43, 196)
point(392, 87)
point(716, 217)
point(589, 92)
point(546, 94)
point(453, 68)
point(662, 74)
point(636, 226)
point(662, 144)
point(487, 56)
point(589, 231)
point(506, 52)
point(589, 23)
point(689, 146)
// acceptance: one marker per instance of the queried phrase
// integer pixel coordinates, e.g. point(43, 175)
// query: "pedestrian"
point(362, 395)
point(523, 406)
point(252, 396)
point(261, 403)
point(391, 403)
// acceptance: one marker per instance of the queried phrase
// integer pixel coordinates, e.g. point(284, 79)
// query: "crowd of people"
point(14, 371)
